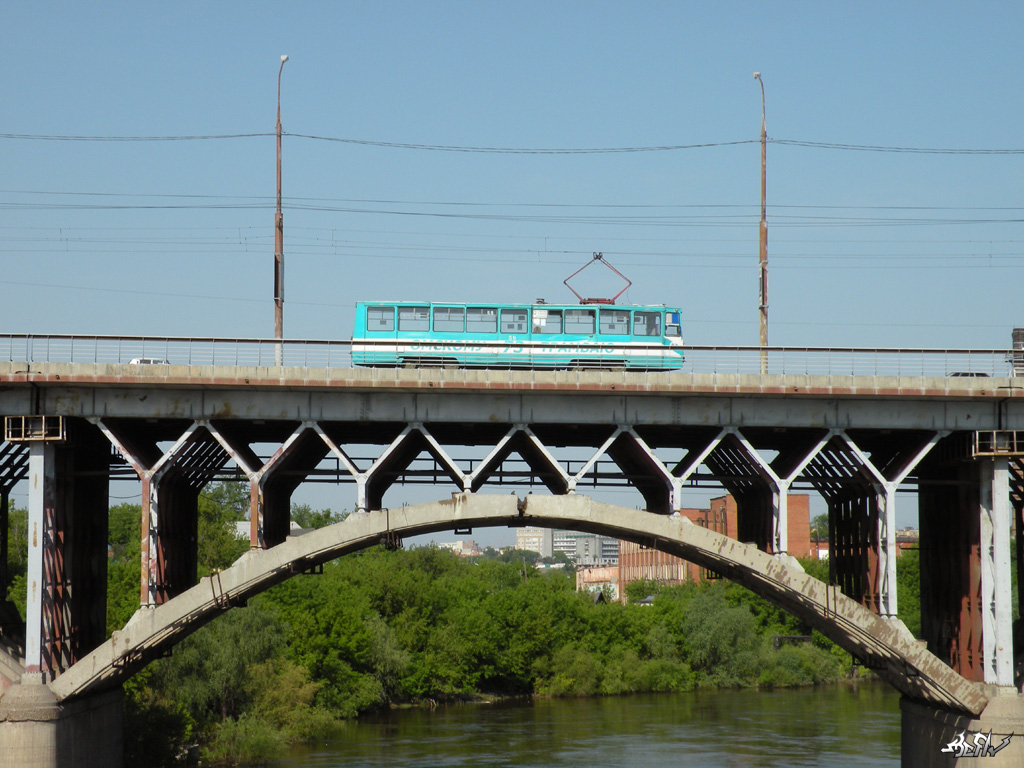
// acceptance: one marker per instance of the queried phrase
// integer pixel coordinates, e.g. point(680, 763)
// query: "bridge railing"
point(317, 353)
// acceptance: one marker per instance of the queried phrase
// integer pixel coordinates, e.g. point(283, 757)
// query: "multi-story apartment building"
point(535, 540)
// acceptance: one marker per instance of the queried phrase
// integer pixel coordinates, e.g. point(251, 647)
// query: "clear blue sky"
point(866, 248)
point(176, 237)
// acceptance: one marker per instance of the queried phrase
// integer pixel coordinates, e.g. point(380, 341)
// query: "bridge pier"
point(928, 730)
point(37, 731)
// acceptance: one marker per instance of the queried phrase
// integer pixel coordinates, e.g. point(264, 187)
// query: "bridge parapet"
point(156, 352)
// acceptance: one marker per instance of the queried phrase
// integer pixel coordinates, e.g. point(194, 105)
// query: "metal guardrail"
point(815, 361)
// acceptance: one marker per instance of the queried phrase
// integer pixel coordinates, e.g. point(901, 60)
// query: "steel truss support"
point(858, 481)
point(966, 612)
point(271, 484)
point(860, 489)
point(171, 482)
point(779, 486)
point(67, 551)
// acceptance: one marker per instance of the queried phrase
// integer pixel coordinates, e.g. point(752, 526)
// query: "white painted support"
point(364, 478)
point(691, 467)
point(780, 487)
point(445, 458)
point(358, 475)
point(675, 485)
point(552, 461)
point(491, 454)
point(525, 429)
point(150, 478)
point(996, 587)
point(780, 495)
point(885, 502)
point(700, 458)
point(41, 481)
point(257, 476)
point(585, 469)
point(885, 499)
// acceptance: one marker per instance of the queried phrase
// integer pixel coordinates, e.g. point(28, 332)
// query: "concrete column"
point(934, 738)
point(996, 584)
point(38, 732)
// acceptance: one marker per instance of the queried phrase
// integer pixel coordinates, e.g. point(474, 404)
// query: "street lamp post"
point(763, 255)
point(279, 237)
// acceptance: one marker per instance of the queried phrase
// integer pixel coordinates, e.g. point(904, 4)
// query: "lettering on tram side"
point(445, 348)
point(979, 746)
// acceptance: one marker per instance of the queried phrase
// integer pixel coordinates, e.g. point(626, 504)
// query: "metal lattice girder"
point(171, 481)
point(396, 458)
point(522, 441)
point(67, 551)
point(272, 482)
point(951, 611)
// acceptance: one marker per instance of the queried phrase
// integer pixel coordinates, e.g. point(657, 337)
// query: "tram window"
point(514, 321)
point(547, 321)
point(482, 320)
point(579, 321)
point(647, 324)
point(380, 318)
point(615, 322)
point(449, 319)
point(672, 324)
point(413, 319)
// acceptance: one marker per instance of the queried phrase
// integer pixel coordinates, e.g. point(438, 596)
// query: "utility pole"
point(279, 238)
point(763, 255)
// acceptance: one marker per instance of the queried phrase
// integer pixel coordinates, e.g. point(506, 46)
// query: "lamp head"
point(757, 75)
point(284, 59)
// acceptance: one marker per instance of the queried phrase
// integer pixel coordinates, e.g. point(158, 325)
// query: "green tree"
point(221, 505)
point(908, 588)
point(307, 517)
point(513, 555)
point(819, 528)
point(17, 557)
point(124, 530)
point(208, 673)
point(721, 639)
point(17, 541)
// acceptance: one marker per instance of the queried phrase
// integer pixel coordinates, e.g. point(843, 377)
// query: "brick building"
point(637, 563)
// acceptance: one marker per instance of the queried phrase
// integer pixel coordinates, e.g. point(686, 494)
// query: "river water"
point(836, 726)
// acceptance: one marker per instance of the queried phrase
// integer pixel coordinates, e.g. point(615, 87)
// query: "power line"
point(528, 150)
point(46, 137)
point(908, 150)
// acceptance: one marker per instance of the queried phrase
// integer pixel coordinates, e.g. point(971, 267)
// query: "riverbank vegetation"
point(422, 626)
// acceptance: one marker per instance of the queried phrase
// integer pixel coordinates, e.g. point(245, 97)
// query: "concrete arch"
point(884, 645)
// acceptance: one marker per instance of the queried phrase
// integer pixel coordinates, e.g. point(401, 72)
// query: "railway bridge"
point(79, 414)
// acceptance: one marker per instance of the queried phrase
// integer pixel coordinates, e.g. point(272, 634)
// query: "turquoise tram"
point(541, 335)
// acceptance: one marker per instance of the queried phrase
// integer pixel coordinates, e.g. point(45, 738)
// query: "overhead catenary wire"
point(846, 147)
